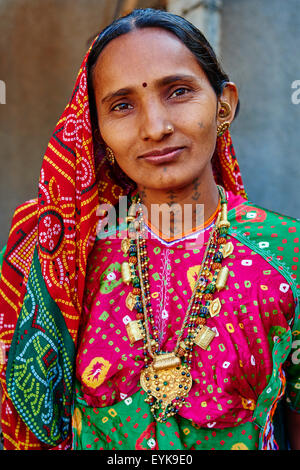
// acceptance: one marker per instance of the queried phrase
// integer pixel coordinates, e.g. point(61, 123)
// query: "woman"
point(151, 336)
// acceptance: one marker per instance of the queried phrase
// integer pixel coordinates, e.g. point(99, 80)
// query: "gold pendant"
point(166, 384)
point(227, 249)
point(135, 330)
point(125, 272)
point(214, 307)
point(125, 244)
point(222, 278)
point(204, 336)
point(166, 361)
point(130, 301)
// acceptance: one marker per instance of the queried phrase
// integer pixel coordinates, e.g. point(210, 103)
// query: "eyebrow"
point(160, 82)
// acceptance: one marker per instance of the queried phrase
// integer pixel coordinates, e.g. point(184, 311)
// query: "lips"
point(167, 154)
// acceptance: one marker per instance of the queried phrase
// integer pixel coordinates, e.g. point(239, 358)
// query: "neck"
point(174, 212)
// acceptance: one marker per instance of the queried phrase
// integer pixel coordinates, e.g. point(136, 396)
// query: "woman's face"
point(156, 109)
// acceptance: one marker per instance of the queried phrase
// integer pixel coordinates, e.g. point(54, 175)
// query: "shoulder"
point(255, 220)
point(24, 220)
point(30, 206)
point(273, 235)
point(25, 216)
point(15, 257)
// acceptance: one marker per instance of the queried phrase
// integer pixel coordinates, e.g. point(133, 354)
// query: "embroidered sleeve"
point(276, 238)
point(293, 366)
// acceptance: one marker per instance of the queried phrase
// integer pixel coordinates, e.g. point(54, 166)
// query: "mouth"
point(162, 156)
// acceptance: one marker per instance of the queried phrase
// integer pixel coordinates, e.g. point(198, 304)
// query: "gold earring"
point(224, 110)
point(110, 155)
point(222, 128)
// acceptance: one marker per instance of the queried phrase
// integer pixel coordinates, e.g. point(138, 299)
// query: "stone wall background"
point(42, 44)
point(259, 47)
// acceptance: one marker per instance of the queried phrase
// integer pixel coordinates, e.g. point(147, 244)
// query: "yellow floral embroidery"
point(192, 275)
point(239, 446)
point(95, 373)
point(248, 403)
point(77, 421)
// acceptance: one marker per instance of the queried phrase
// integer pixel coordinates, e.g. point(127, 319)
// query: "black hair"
point(193, 39)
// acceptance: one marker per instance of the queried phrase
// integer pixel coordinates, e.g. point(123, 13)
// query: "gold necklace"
point(166, 377)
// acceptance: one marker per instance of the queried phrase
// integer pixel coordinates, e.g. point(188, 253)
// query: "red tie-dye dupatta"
point(43, 275)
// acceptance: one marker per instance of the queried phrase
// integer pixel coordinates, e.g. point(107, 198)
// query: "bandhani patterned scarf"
point(43, 275)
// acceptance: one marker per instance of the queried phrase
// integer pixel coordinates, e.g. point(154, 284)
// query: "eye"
point(121, 107)
point(180, 91)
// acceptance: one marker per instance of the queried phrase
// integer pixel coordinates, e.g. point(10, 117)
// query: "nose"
point(155, 123)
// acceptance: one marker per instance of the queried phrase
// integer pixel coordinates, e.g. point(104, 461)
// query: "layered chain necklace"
point(166, 377)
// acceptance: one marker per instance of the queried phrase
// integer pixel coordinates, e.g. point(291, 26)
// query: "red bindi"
point(144, 84)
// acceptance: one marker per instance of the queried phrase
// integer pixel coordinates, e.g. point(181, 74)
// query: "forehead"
point(143, 55)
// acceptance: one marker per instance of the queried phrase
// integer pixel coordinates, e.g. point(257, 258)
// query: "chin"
point(170, 179)
point(169, 184)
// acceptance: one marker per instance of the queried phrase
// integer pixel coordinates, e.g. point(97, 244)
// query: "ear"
point(230, 98)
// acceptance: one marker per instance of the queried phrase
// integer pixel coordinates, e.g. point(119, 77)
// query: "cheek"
point(113, 138)
point(117, 134)
point(198, 118)
point(207, 126)
point(204, 135)
point(204, 138)
point(121, 142)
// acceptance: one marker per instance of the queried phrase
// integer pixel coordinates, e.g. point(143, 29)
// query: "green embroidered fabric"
point(129, 425)
point(276, 238)
point(40, 365)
